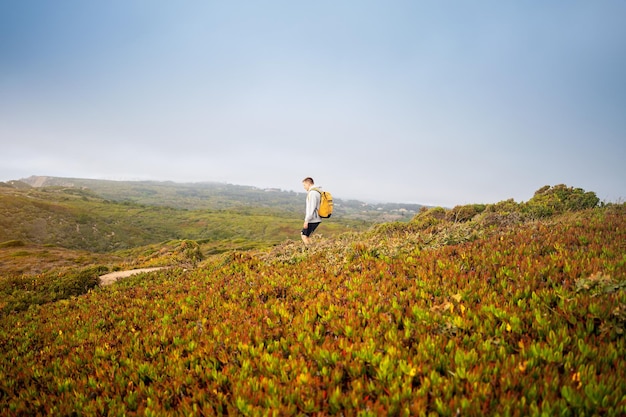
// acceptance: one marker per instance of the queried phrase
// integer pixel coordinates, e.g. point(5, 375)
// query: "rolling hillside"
point(105, 216)
point(505, 309)
point(220, 196)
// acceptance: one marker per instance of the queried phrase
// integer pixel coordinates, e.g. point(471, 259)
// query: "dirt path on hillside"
point(110, 278)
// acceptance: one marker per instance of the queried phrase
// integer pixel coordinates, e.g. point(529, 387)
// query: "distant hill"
point(219, 196)
point(105, 216)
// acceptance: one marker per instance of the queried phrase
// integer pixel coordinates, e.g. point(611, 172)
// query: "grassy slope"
point(220, 196)
point(469, 319)
point(18, 258)
point(81, 220)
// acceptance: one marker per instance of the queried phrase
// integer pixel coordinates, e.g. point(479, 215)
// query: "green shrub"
point(558, 199)
point(19, 293)
point(429, 216)
point(464, 213)
point(503, 207)
point(12, 244)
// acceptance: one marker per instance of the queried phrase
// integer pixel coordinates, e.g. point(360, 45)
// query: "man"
point(311, 216)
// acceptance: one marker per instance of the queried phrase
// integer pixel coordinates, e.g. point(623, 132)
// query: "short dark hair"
point(308, 179)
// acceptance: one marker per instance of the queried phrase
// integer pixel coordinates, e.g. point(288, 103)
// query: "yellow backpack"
point(326, 204)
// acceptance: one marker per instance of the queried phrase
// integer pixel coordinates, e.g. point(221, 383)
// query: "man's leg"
point(306, 233)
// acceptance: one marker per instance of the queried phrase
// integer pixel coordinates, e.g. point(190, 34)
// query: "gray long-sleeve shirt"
point(313, 199)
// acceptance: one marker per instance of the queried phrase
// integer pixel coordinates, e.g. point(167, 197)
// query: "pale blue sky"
point(431, 102)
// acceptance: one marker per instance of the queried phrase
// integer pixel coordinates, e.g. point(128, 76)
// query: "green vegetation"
point(558, 199)
point(81, 219)
point(503, 309)
point(215, 196)
point(19, 293)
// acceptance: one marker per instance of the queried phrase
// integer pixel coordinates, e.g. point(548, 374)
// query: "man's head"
point(307, 183)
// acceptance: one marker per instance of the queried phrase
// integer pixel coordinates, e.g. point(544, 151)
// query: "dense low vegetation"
point(505, 309)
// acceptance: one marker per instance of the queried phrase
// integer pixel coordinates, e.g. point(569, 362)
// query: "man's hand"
point(305, 225)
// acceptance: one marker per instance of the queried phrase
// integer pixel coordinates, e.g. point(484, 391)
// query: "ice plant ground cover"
point(526, 318)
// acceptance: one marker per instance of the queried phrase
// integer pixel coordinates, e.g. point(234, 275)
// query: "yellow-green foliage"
point(184, 253)
point(547, 201)
point(429, 216)
point(511, 319)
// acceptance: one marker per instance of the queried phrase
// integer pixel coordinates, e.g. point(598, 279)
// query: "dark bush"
point(19, 293)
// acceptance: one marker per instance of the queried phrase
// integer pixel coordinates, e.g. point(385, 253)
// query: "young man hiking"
point(312, 218)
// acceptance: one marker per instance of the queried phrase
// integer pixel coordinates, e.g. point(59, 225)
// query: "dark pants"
point(307, 232)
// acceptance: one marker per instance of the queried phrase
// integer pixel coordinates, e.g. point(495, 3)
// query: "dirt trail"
point(110, 278)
